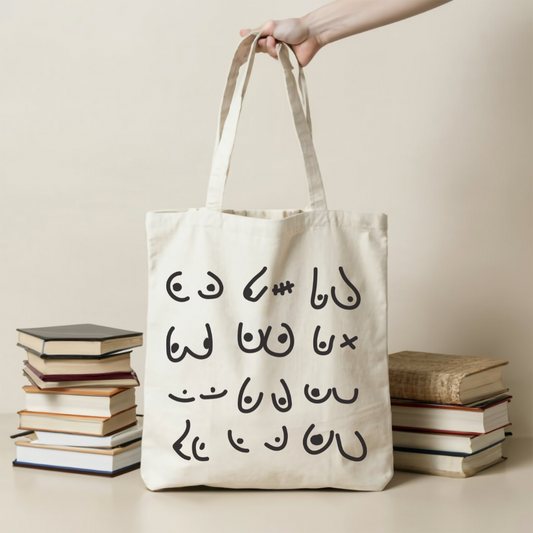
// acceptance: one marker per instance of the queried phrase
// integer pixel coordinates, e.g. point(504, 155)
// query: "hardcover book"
point(81, 339)
point(81, 460)
point(103, 401)
point(444, 379)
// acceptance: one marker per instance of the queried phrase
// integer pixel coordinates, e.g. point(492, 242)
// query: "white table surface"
point(499, 499)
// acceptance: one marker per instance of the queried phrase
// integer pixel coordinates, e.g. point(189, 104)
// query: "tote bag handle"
point(229, 118)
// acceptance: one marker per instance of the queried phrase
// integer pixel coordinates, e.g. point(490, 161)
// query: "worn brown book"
point(447, 379)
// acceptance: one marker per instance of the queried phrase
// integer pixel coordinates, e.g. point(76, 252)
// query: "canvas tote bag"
point(266, 360)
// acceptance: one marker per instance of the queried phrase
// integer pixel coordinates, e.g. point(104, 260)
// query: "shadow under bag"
point(266, 357)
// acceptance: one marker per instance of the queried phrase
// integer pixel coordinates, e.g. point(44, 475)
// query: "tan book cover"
point(440, 378)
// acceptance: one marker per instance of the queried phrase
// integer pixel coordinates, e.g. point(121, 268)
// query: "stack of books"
point(80, 413)
point(449, 413)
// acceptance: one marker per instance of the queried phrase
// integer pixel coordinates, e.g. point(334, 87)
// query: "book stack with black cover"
point(449, 413)
point(80, 413)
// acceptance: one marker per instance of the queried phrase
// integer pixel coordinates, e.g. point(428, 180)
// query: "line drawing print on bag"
point(325, 348)
point(349, 341)
point(278, 403)
point(318, 439)
point(282, 401)
point(247, 399)
point(277, 439)
point(315, 393)
point(182, 400)
point(173, 347)
point(263, 340)
point(177, 446)
point(322, 348)
point(236, 444)
point(314, 396)
point(212, 396)
point(319, 300)
point(247, 292)
point(173, 286)
point(287, 286)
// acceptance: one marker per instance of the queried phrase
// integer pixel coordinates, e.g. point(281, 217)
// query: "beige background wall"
point(109, 111)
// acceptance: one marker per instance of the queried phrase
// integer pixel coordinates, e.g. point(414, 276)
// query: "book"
point(444, 379)
point(84, 425)
point(82, 339)
point(103, 401)
point(123, 382)
point(448, 465)
point(78, 377)
point(81, 460)
point(61, 366)
point(481, 418)
point(130, 434)
point(446, 443)
point(73, 355)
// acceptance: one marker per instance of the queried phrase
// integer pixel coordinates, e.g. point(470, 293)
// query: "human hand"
point(293, 31)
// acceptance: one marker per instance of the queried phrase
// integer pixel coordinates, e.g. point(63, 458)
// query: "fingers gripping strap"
point(229, 116)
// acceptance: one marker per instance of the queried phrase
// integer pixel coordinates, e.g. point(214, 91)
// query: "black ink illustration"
point(263, 340)
point(322, 348)
point(288, 286)
point(349, 342)
point(236, 444)
point(248, 337)
point(316, 440)
point(212, 289)
point(247, 399)
point(318, 300)
point(247, 292)
point(277, 439)
point(214, 395)
point(177, 446)
point(350, 400)
point(351, 457)
point(322, 298)
point(182, 400)
point(174, 286)
point(201, 447)
point(314, 397)
point(279, 403)
point(350, 299)
point(173, 347)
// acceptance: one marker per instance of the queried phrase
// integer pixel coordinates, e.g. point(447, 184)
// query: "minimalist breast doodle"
point(277, 340)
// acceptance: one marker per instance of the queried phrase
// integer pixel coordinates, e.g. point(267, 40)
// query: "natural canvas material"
point(267, 333)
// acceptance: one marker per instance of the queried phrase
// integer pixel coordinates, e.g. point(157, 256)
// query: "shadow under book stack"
point(80, 406)
point(449, 413)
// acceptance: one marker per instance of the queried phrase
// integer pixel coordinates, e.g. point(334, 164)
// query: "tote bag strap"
point(229, 118)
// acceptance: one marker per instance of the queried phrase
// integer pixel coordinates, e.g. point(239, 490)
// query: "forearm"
point(343, 18)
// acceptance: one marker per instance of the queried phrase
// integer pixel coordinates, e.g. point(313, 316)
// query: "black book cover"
point(79, 332)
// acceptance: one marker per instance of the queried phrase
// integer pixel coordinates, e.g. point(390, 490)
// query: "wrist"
point(314, 31)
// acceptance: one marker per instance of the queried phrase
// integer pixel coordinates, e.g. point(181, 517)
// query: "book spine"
point(425, 386)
